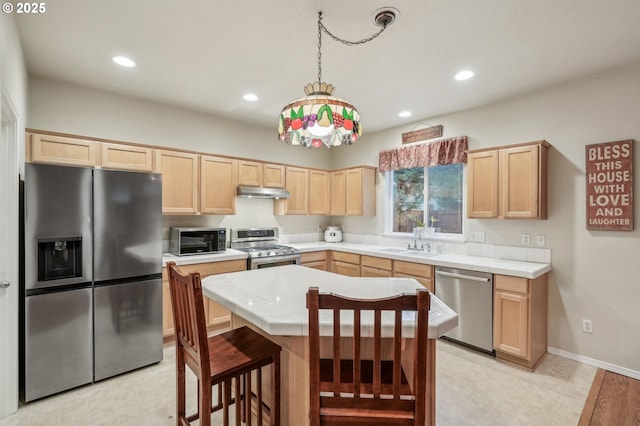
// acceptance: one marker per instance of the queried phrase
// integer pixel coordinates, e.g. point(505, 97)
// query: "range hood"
point(256, 192)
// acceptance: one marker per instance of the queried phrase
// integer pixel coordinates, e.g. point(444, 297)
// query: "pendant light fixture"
point(320, 119)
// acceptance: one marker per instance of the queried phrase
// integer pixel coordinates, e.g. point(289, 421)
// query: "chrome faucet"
point(415, 243)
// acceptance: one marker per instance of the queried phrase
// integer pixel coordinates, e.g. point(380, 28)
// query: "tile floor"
point(472, 389)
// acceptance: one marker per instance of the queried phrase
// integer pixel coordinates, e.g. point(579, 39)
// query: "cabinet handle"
point(463, 277)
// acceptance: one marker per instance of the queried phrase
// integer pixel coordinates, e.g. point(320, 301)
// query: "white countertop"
point(492, 265)
point(274, 299)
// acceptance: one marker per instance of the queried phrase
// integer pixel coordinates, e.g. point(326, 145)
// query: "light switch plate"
point(525, 239)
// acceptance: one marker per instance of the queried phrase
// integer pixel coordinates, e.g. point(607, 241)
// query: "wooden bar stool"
point(349, 388)
point(219, 360)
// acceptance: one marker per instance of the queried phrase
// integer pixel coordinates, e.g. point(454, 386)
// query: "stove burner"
point(270, 250)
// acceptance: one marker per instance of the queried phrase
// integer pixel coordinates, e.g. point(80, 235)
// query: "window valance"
point(440, 152)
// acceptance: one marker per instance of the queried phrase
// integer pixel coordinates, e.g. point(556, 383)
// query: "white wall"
point(595, 273)
point(13, 75)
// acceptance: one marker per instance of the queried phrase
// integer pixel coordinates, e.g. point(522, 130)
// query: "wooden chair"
point(219, 359)
point(348, 389)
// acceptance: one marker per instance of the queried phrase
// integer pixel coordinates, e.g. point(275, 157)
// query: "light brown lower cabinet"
point(520, 319)
point(371, 266)
point(419, 271)
point(314, 259)
point(218, 318)
point(345, 263)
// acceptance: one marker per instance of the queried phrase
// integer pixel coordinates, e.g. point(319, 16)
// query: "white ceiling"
point(205, 54)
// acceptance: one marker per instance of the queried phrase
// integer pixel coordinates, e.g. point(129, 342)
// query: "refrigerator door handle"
point(4, 284)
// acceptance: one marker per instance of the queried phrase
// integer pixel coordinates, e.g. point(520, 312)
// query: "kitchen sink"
point(417, 253)
point(394, 250)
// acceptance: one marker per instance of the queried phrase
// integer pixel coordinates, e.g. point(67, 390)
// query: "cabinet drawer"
point(411, 268)
point(211, 268)
point(313, 256)
point(514, 284)
point(346, 257)
point(376, 262)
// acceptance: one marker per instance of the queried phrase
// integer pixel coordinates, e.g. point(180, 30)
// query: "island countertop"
point(274, 299)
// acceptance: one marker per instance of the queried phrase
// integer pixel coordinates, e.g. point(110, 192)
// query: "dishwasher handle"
point(464, 277)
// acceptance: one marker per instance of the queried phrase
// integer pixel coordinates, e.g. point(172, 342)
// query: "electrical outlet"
point(541, 240)
point(477, 237)
point(587, 327)
point(525, 239)
point(319, 228)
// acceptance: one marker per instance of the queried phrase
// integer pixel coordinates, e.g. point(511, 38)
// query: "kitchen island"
point(272, 301)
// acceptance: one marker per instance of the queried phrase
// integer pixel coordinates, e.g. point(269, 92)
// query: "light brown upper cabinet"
point(126, 157)
point(249, 173)
point(62, 150)
point(338, 193)
point(509, 182)
point(218, 182)
point(360, 192)
point(353, 192)
point(273, 175)
point(256, 173)
point(319, 185)
point(179, 181)
point(297, 183)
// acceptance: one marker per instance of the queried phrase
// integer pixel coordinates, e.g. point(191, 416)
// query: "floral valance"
point(440, 152)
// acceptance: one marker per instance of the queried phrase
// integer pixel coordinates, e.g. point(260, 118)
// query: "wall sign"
point(422, 134)
point(610, 185)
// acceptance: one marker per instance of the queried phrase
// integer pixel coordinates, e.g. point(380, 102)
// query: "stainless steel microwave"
point(188, 241)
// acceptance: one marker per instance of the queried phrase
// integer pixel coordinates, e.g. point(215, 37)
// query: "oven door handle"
point(275, 259)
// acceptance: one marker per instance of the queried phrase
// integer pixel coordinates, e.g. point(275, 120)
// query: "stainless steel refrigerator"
point(92, 305)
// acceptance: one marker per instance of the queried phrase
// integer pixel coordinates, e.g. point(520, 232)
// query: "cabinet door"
point(519, 180)
point(63, 150)
point(126, 157)
point(354, 192)
point(369, 271)
point(511, 323)
point(319, 184)
point(249, 173)
point(273, 176)
point(338, 194)
point(218, 182)
point(297, 182)
point(179, 181)
point(343, 268)
point(482, 184)
point(314, 259)
point(167, 310)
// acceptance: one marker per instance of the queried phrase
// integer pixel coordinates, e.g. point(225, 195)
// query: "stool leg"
point(180, 388)
point(275, 380)
point(204, 402)
point(225, 401)
point(247, 399)
point(238, 402)
point(259, 393)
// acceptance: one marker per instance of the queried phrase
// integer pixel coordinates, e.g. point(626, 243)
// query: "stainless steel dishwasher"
point(470, 294)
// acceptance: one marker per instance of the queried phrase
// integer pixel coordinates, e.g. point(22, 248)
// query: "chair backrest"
point(189, 319)
point(379, 389)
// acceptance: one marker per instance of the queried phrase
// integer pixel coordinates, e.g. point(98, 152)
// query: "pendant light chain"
point(322, 28)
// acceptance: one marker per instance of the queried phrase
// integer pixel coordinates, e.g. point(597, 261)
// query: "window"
point(440, 186)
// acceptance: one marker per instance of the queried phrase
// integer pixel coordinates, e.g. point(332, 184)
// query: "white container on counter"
point(333, 234)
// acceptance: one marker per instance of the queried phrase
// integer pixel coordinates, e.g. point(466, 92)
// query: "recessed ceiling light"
point(250, 97)
point(124, 61)
point(404, 114)
point(464, 75)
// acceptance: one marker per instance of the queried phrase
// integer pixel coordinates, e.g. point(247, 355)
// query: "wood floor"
point(613, 400)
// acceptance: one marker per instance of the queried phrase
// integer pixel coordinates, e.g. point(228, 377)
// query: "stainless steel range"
point(261, 244)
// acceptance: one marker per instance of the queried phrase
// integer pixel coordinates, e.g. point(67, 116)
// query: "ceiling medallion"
point(321, 119)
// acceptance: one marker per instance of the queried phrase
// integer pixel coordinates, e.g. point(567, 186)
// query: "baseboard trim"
point(596, 363)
